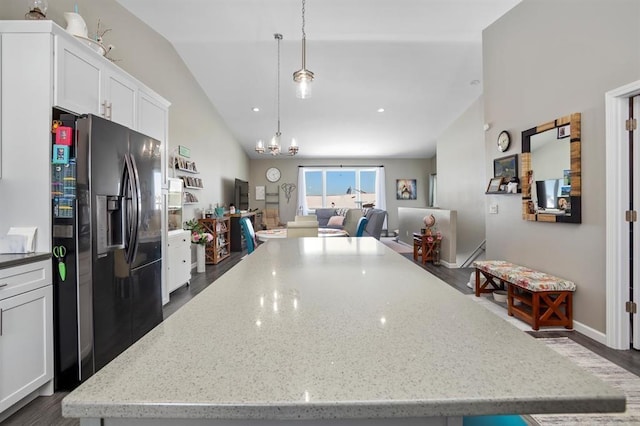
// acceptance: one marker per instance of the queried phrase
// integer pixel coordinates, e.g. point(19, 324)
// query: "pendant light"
point(303, 77)
point(274, 144)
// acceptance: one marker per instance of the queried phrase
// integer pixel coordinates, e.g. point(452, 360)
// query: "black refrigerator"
point(109, 294)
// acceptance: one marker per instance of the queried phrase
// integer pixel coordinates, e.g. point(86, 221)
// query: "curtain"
point(303, 209)
point(381, 193)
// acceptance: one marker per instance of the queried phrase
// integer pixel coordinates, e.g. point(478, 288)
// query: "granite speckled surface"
point(327, 328)
point(9, 260)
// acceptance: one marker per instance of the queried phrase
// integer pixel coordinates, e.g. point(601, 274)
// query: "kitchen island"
point(333, 331)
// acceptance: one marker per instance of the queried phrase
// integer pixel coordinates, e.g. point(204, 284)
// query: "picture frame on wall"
point(506, 167)
point(406, 189)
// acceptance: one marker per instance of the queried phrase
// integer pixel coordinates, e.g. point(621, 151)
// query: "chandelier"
point(274, 145)
point(303, 77)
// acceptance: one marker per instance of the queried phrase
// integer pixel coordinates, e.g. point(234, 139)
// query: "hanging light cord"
point(304, 34)
point(278, 37)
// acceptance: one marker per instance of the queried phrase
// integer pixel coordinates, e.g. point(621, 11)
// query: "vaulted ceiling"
point(419, 60)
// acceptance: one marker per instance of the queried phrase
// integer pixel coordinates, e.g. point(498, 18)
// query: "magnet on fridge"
point(63, 135)
point(60, 154)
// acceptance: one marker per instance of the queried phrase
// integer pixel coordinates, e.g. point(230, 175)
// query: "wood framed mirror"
point(552, 172)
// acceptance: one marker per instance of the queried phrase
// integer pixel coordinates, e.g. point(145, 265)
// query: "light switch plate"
point(493, 209)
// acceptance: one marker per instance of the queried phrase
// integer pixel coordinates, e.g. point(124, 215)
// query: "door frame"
point(617, 237)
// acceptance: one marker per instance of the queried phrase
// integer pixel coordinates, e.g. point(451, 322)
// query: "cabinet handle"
point(0, 322)
point(109, 109)
point(4, 285)
point(104, 109)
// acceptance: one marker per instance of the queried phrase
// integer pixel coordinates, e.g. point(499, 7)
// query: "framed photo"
point(506, 167)
point(60, 154)
point(564, 131)
point(406, 189)
point(260, 192)
point(494, 184)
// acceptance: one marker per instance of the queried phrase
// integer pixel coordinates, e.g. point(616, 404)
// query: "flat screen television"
point(552, 194)
point(241, 194)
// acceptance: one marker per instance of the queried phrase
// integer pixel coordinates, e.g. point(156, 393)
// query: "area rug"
point(396, 246)
point(617, 377)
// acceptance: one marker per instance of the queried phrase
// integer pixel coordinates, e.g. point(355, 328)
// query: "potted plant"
point(200, 237)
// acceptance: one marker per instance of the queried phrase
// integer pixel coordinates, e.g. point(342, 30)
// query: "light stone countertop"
point(329, 328)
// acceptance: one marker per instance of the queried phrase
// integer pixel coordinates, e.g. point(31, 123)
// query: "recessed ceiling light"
point(255, 109)
point(380, 109)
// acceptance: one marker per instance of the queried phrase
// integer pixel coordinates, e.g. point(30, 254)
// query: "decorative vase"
point(200, 257)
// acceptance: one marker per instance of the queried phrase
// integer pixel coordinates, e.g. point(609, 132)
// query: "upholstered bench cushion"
point(524, 277)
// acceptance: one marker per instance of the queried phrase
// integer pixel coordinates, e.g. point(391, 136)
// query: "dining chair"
point(248, 233)
point(362, 223)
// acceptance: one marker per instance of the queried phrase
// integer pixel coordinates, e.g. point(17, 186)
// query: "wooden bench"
point(545, 300)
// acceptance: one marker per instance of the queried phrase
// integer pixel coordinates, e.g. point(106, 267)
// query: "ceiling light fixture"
point(255, 109)
point(303, 77)
point(274, 144)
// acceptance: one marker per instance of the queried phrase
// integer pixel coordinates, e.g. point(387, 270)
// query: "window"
point(340, 187)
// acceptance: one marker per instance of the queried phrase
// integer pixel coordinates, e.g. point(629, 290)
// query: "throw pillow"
point(336, 221)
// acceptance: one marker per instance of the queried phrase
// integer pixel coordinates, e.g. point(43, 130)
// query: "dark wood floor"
point(46, 410)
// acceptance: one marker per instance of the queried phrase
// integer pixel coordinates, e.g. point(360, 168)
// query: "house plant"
point(200, 237)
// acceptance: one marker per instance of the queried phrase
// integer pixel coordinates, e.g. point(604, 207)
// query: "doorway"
point(623, 196)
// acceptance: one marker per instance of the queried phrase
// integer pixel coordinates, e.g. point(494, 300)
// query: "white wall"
point(545, 59)
point(418, 169)
point(462, 177)
point(149, 57)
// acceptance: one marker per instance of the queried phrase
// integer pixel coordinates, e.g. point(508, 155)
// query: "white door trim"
point(617, 238)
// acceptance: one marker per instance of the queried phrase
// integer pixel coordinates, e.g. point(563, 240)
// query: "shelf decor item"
point(37, 10)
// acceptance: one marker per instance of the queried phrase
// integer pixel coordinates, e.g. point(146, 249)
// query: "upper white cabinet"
point(119, 101)
point(86, 83)
point(78, 79)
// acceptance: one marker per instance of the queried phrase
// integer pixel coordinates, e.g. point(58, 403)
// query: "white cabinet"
point(178, 259)
point(85, 83)
point(78, 78)
point(120, 95)
point(26, 332)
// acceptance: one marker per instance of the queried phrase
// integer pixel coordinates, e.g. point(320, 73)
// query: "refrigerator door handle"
point(137, 205)
point(128, 191)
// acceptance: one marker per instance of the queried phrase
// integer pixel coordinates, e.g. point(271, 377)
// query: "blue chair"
point(362, 223)
point(248, 233)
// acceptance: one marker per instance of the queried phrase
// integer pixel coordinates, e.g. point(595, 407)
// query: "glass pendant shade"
point(293, 148)
point(260, 146)
point(303, 79)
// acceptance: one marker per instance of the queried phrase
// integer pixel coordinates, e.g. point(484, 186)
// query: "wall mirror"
point(551, 171)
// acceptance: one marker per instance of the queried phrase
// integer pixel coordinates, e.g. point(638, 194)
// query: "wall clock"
point(504, 140)
point(273, 174)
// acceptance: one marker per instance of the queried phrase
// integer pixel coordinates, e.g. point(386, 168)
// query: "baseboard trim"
point(591, 333)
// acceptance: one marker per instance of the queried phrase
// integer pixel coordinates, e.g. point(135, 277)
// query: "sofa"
point(333, 218)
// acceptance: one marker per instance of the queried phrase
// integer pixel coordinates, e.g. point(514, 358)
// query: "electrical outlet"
point(493, 209)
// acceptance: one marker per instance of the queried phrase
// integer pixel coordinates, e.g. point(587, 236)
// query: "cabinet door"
point(179, 260)
point(26, 344)
point(78, 76)
point(152, 115)
point(120, 94)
